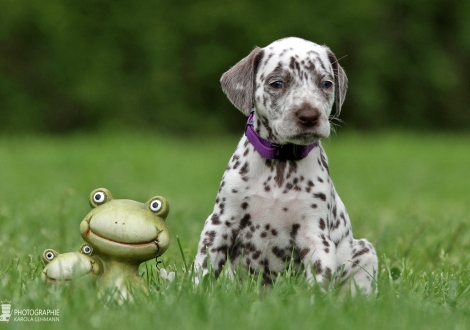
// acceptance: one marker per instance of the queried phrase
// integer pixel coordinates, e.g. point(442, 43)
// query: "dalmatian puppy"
point(276, 205)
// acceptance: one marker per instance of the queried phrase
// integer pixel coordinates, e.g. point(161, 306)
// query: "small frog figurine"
point(63, 267)
point(119, 235)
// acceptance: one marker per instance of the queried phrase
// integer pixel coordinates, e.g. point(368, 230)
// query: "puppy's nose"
point(308, 117)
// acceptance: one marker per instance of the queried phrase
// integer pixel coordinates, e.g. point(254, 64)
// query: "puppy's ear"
point(238, 82)
point(341, 82)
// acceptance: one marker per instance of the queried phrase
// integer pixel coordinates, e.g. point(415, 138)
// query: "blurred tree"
point(87, 65)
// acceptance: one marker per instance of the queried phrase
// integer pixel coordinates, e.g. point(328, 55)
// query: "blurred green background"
point(86, 65)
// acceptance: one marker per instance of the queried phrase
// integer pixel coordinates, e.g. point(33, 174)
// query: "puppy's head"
point(293, 84)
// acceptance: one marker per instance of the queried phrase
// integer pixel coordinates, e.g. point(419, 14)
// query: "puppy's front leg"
point(222, 226)
point(318, 254)
point(214, 244)
point(220, 231)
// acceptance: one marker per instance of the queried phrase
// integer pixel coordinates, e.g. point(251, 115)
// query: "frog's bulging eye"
point(155, 205)
point(87, 249)
point(49, 255)
point(99, 197)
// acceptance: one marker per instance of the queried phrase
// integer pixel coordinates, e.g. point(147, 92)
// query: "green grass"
point(407, 193)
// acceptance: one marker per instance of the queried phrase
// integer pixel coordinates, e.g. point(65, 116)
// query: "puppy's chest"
point(271, 222)
point(270, 197)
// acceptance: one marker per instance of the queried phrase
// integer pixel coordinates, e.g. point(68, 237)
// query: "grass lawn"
point(409, 194)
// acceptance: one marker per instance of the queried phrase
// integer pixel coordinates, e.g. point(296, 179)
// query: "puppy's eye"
point(326, 84)
point(277, 84)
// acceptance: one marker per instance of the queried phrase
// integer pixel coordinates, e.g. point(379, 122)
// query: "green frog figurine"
point(119, 235)
point(63, 267)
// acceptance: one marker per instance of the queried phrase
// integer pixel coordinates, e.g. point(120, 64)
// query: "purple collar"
point(270, 150)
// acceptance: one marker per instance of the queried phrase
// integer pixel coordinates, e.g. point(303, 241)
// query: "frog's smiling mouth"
point(154, 241)
point(130, 243)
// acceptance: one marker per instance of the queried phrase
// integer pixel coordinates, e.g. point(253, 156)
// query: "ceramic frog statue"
point(66, 266)
point(120, 234)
